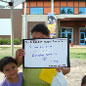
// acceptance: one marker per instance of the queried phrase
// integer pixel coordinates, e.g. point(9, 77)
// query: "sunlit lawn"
point(79, 53)
point(6, 51)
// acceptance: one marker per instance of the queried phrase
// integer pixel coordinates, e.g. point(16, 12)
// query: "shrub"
point(1, 42)
point(8, 41)
point(17, 41)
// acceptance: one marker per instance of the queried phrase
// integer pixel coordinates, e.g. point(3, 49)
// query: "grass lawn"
point(6, 51)
point(79, 53)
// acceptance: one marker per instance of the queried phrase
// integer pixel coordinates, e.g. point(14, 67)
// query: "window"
point(67, 32)
point(5, 26)
point(36, 11)
point(66, 10)
point(83, 29)
point(82, 10)
point(83, 36)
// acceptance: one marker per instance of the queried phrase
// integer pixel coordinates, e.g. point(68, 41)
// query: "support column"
point(52, 6)
point(12, 29)
point(24, 31)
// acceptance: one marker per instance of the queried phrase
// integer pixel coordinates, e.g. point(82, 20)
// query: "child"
point(83, 81)
point(9, 67)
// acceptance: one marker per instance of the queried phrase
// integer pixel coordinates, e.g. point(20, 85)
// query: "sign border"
point(68, 59)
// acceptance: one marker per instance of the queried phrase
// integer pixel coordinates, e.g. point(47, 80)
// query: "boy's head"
point(5, 61)
point(83, 81)
point(40, 31)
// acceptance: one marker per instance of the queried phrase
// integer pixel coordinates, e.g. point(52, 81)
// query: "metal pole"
point(25, 21)
point(52, 6)
point(52, 9)
point(12, 31)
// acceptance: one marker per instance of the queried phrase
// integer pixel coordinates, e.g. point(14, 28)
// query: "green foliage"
point(17, 41)
point(4, 41)
point(8, 41)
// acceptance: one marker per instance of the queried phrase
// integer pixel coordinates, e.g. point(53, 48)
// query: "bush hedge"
point(8, 41)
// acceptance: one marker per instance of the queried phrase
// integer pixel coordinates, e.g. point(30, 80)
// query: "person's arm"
point(19, 56)
point(64, 70)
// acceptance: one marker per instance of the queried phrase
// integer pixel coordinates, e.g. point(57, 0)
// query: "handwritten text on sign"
point(46, 52)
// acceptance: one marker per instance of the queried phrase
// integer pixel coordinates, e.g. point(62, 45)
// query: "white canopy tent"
point(11, 4)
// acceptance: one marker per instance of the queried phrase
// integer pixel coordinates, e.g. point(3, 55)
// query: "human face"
point(39, 35)
point(11, 71)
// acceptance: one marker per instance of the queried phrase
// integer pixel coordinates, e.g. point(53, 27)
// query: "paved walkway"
point(10, 45)
point(78, 46)
point(74, 46)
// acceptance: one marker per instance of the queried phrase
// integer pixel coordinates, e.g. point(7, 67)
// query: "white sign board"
point(46, 53)
point(17, 2)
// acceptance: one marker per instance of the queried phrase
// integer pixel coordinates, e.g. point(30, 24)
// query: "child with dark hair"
point(9, 67)
point(40, 29)
point(83, 81)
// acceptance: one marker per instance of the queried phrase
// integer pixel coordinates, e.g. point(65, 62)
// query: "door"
point(82, 38)
point(68, 35)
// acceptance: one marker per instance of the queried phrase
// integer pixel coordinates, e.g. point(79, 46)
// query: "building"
point(17, 22)
point(70, 15)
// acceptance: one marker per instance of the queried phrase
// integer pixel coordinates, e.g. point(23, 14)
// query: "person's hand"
point(59, 69)
point(64, 70)
point(19, 56)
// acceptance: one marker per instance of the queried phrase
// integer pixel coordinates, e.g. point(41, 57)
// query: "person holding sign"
point(38, 77)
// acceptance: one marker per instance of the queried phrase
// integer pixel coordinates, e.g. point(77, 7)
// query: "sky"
point(5, 24)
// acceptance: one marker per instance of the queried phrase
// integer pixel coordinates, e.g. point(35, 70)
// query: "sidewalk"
point(74, 46)
point(10, 45)
point(78, 46)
